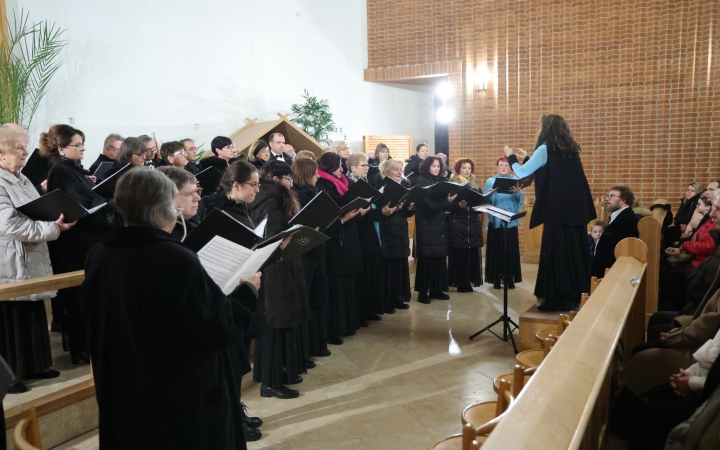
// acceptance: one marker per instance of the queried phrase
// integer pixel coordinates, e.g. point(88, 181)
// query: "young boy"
point(594, 236)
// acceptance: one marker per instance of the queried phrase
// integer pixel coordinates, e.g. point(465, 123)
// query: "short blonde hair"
point(388, 165)
point(354, 159)
point(305, 154)
point(336, 146)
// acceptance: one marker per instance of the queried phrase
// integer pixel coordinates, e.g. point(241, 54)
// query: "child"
point(594, 236)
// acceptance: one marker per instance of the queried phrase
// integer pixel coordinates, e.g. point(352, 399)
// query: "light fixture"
point(444, 114)
point(443, 90)
point(481, 80)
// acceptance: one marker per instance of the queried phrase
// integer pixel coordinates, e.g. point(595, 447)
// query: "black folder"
point(209, 179)
point(358, 203)
point(220, 223)
point(103, 169)
point(418, 193)
point(49, 207)
point(391, 192)
point(36, 168)
point(319, 212)
point(445, 188)
point(359, 189)
point(473, 197)
point(303, 240)
point(106, 189)
point(503, 185)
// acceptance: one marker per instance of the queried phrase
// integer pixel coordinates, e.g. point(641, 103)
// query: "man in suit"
point(622, 224)
point(111, 147)
point(277, 148)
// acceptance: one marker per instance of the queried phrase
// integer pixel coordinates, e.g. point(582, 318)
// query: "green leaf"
point(314, 117)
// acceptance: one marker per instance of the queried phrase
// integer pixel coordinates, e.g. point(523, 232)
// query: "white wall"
point(135, 67)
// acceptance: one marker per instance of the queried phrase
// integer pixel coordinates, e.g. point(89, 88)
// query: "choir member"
point(151, 157)
point(305, 154)
point(496, 253)
point(132, 151)
point(160, 330)
point(370, 298)
point(65, 147)
point(111, 147)
point(277, 148)
point(191, 154)
point(316, 278)
point(258, 153)
point(343, 150)
point(466, 239)
point(186, 201)
point(412, 168)
point(395, 244)
point(382, 153)
point(24, 339)
point(564, 204)
point(280, 357)
point(224, 154)
point(432, 235)
point(343, 254)
point(174, 154)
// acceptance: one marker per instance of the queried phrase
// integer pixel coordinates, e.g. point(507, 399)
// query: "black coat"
point(343, 253)
point(101, 159)
point(285, 293)
point(179, 232)
point(394, 233)
point(412, 169)
point(465, 227)
point(700, 280)
point(430, 224)
point(367, 233)
point(68, 252)
point(624, 226)
point(216, 162)
point(257, 163)
point(686, 210)
point(314, 263)
point(192, 168)
point(159, 330)
point(373, 176)
point(287, 158)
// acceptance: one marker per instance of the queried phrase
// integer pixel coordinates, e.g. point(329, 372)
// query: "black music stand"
point(506, 217)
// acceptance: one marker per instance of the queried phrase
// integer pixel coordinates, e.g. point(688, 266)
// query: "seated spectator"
point(687, 205)
point(594, 235)
point(699, 217)
point(622, 224)
point(639, 211)
point(709, 191)
point(186, 201)
point(159, 338)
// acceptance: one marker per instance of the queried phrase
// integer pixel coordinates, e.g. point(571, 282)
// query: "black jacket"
point(192, 168)
point(287, 158)
point(430, 224)
point(367, 233)
point(624, 226)
point(68, 252)
point(465, 227)
point(159, 331)
point(395, 242)
point(285, 293)
point(342, 251)
point(216, 162)
point(314, 264)
point(257, 163)
point(101, 159)
point(699, 281)
point(412, 168)
point(373, 176)
point(686, 210)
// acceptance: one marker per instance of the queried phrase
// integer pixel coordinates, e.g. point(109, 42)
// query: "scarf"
point(341, 184)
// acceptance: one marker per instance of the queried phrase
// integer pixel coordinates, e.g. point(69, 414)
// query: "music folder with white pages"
point(502, 214)
point(227, 262)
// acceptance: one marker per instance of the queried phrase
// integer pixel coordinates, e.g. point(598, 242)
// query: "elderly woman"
point(395, 244)
point(65, 147)
point(159, 338)
point(24, 340)
point(259, 153)
point(343, 151)
point(186, 201)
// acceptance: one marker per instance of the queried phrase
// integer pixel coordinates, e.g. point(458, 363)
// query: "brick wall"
point(637, 81)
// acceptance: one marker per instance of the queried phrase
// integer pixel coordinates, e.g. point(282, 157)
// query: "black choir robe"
point(159, 330)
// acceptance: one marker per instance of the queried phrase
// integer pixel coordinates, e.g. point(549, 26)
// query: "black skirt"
point(317, 328)
point(396, 279)
point(24, 337)
point(465, 268)
point(495, 255)
point(564, 269)
point(431, 274)
point(342, 306)
point(279, 357)
point(371, 296)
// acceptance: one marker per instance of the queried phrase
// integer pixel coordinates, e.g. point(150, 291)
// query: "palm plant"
point(314, 117)
point(28, 61)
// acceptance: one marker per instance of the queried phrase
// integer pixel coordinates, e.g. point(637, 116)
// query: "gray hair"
point(180, 177)
point(144, 138)
point(110, 140)
point(183, 141)
point(146, 198)
point(9, 138)
point(130, 146)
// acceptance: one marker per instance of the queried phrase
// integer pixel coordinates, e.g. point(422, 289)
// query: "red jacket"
point(702, 244)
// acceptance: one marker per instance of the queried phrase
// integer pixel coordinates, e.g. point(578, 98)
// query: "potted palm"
point(314, 117)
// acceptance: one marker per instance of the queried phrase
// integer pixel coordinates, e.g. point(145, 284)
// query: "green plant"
point(314, 117)
point(28, 61)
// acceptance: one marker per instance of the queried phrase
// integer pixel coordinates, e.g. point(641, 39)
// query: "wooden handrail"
point(564, 405)
point(38, 285)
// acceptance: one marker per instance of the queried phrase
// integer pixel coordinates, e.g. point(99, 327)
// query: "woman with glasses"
point(224, 154)
point(564, 204)
point(64, 146)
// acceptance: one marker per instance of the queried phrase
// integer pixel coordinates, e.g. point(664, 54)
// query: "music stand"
point(506, 217)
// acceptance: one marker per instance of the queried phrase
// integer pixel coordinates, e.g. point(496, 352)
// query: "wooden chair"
point(515, 388)
point(594, 283)
point(461, 441)
point(535, 357)
point(27, 432)
point(480, 413)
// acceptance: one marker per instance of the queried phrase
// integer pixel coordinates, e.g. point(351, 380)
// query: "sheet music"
point(92, 210)
point(260, 229)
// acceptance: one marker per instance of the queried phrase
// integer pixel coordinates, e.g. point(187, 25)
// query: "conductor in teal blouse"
point(564, 205)
point(495, 251)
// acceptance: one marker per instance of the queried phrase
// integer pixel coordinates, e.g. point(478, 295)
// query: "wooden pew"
point(651, 234)
point(565, 404)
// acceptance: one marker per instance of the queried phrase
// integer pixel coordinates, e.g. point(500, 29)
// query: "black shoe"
point(324, 353)
point(402, 306)
point(363, 324)
point(45, 375)
point(496, 286)
point(423, 298)
point(56, 326)
point(440, 296)
point(280, 392)
point(252, 422)
point(75, 358)
point(310, 364)
point(351, 333)
point(390, 311)
point(297, 380)
point(251, 434)
point(335, 341)
point(17, 388)
point(511, 286)
point(375, 318)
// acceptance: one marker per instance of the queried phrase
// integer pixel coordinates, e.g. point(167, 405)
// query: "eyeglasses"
point(288, 179)
point(196, 191)
point(363, 165)
point(78, 146)
point(191, 149)
point(252, 185)
point(181, 153)
point(611, 195)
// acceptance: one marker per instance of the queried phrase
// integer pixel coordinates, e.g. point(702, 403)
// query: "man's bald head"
point(16, 127)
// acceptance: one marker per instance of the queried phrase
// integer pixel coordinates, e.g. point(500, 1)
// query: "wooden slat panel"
point(51, 402)
point(562, 406)
point(42, 284)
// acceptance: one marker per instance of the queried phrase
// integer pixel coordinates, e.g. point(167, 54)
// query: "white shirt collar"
point(617, 213)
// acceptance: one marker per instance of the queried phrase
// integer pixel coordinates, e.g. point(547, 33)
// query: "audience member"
point(276, 141)
point(412, 168)
point(596, 231)
point(687, 205)
point(111, 147)
point(622, 224)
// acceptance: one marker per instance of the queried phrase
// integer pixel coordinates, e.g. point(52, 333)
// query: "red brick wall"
point(637, 80)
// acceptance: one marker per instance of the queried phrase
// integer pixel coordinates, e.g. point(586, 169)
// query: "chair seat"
point(479, 413)
point(509, 378)
point(454, 442)
point(530, 358)
point(541, 335)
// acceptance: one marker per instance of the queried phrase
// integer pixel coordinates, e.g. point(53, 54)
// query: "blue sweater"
point(511, 202)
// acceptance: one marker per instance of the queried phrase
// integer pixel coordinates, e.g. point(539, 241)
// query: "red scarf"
point(341, 184)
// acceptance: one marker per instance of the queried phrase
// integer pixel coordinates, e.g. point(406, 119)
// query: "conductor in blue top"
point(564, 205)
